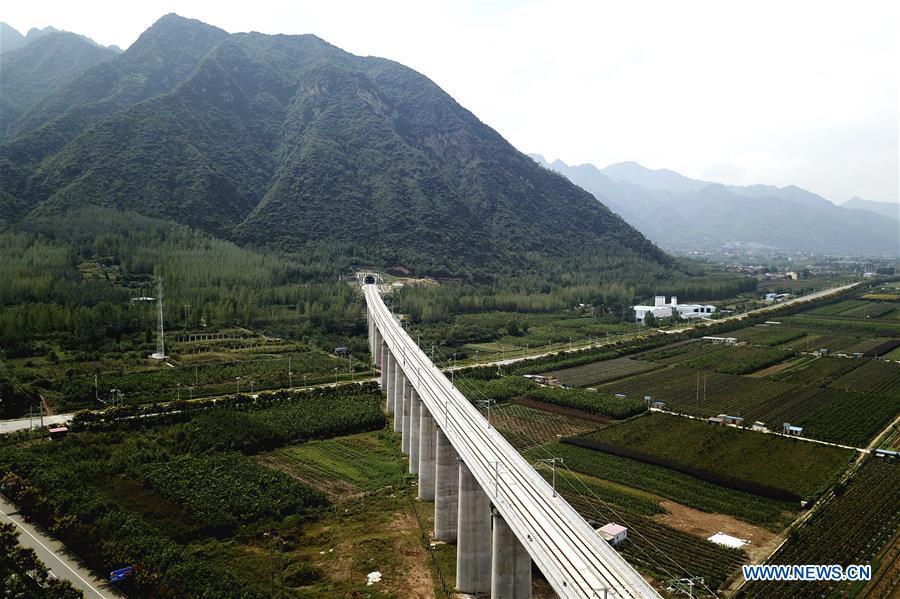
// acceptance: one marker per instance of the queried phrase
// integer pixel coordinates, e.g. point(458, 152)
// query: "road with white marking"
point(55, 557)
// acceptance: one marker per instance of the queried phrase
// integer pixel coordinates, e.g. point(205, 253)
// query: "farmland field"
point(865, 327)
point(875, 376)
point(159, 383)
point(340, 465)
point(818, 372)
point(681, 352)
point(225, 490)
point(740, 359)
point(871, 310)
point(770, 401)
point(601, 372)
point(672, 485)
point(819, 339)
point(837, 308)
point(804, 469)
point(188, 504)
point(651, 546)
point(743, 359)
point(770, 335)
point(850, 529)
point(524, 426)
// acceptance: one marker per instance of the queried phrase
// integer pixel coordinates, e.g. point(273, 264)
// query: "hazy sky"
point(738, 92)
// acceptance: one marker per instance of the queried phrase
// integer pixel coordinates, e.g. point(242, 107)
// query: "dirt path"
point(418, 580)
point(704, 525)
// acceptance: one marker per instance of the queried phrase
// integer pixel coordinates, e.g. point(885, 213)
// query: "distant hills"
point(680, 213)
point(35, 65)
point(882, 208)
point(289, 142)
point(11, 39)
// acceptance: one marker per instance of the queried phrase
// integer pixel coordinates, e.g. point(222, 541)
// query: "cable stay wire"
point(523, 435)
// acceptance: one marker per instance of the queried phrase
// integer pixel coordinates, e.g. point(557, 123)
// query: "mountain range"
point(288, 142)
point(35, 65)
point(680, 213)
point(882, 208)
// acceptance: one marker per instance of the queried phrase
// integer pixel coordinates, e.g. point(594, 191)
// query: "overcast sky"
point(782, 93)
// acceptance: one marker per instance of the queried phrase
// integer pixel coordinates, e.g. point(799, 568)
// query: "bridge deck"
point(576, 561)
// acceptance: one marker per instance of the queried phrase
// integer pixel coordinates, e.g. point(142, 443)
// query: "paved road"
point(19, 424)
point(57, 559)
point(704, 323)
point(23, 424)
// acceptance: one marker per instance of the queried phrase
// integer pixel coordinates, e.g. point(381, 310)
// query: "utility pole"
point(486, 403)
point(96, 389)
point(552, 462)
point(290, 376)
point(160, 334)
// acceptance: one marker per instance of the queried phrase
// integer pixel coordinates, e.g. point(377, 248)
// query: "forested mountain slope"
point(31, 73)
point(289, 142)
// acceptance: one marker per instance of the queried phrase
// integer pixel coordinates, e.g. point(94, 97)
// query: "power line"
point(523, 435)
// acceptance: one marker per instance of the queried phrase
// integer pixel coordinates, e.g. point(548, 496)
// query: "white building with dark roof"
point(660, 309)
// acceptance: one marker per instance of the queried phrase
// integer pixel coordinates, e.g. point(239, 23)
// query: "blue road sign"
point(120, 574)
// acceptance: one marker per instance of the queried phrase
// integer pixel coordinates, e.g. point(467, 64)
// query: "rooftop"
point(613, 529)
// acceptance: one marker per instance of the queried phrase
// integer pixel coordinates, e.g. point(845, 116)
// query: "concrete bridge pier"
point(382, 360)
point(446, 488)
point(511, 564)
point(414, 415)
point(397, 374)
point(387, 373)
point(407, 411)
point(473, 536)
point(371, 324)
point(397, 408)
point(427, 441)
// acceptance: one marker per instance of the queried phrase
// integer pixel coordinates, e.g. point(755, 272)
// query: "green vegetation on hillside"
point(357, 158)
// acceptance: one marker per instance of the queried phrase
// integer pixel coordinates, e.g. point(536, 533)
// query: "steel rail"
point(575, 559)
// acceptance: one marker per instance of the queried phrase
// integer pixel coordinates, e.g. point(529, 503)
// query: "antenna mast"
point(160, 334)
